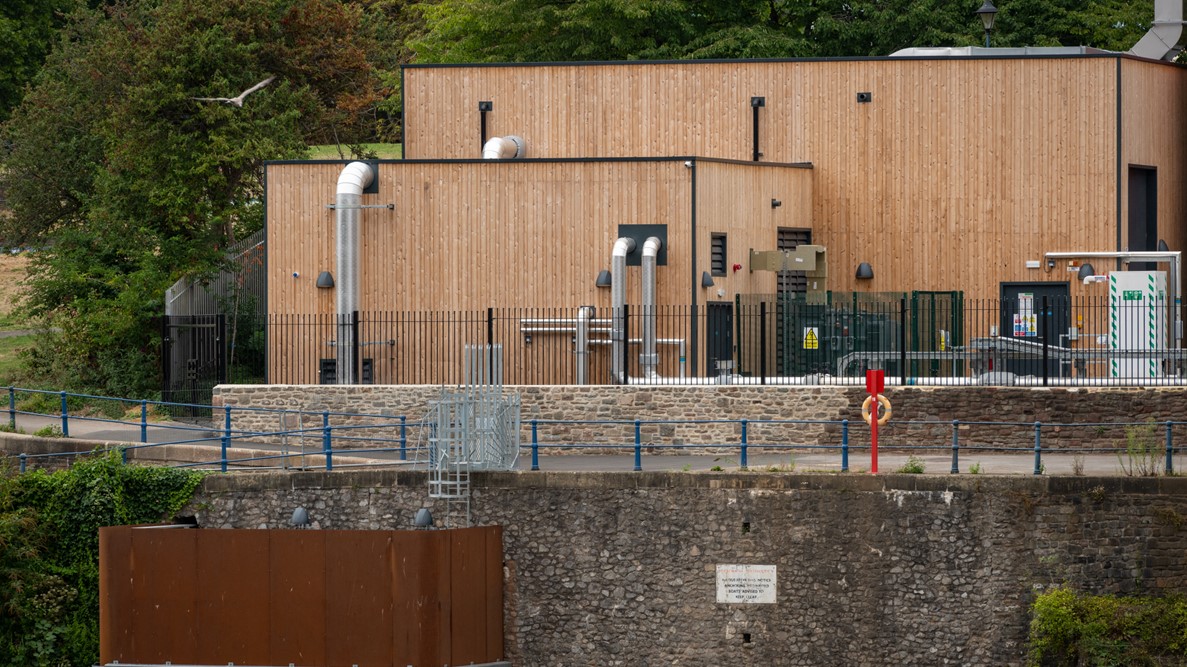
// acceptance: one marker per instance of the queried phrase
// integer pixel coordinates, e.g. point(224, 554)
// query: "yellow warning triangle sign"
point(811, 342)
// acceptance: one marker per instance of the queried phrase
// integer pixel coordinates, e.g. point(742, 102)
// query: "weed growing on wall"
point(1068, 628)
point(913, 466)
point(1143, 451)
point(49, 550)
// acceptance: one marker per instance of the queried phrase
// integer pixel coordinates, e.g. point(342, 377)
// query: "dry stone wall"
point(620, 568)
point(704, 416)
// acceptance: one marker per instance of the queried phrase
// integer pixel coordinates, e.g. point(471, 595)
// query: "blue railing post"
point(1170, 448)
point(638, 447)
point(744, 443)
point(1038, 448)
point(326, 440)
point(403, 438)
point(12, 408)
point(844, 445)
point(955, 446)
point(143, 422)
point(226, 435)
point(23, 457)
point(65, 417)
point(124, 455)
point(535, 447)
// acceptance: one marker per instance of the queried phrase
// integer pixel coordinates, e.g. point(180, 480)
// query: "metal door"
point(1025, 327)
point(719, 344)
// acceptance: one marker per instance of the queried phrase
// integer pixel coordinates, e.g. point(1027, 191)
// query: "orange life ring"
point(884, 411)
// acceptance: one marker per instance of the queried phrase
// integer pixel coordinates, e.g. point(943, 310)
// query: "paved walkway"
point(991, 463)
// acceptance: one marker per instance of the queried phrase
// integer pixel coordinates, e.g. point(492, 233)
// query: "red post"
point(875, 383)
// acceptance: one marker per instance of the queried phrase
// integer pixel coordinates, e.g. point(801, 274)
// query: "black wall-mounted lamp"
point(865, 271)
point(1086, 271)
point(775, 203)
point(604, 279)
point(706, 279)
point(325, 280)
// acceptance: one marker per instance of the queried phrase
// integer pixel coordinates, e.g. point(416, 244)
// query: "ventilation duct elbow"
point(1160, 42)
point(504, 148)
point(355, 178)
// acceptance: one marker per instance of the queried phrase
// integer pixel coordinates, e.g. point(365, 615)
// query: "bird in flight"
point(237, 101)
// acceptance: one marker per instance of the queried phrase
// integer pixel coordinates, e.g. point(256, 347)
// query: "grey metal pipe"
point(1160, 41)
point(584, 315)
point(355, 177)
point(622, 247)
point(648, 359)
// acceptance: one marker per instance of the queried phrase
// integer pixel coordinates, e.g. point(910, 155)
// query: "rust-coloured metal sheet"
point(359, 607)
point(164, 616)
point(313, 598)
point(233, 597)
point(298, 572)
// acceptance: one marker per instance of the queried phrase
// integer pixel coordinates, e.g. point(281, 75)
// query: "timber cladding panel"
point(273, 597)
point(955, 164)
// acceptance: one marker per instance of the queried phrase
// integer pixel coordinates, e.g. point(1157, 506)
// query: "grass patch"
point(913, 466)
point(342, 152)
point(10, 357)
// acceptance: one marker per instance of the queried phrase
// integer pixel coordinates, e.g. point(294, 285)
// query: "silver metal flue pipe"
point(351, 183)
point(648, 359)
point(622, 247)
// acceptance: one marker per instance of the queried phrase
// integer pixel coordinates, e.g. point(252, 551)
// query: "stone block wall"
point(619, 568)
point(990, 416)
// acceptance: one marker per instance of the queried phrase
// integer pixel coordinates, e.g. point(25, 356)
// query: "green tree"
point(26, 31)
point(125, 182)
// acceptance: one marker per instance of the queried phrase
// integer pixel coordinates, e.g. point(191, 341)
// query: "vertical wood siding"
point(956, 173)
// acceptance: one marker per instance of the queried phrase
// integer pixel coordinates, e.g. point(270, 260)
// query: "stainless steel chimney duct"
point(1160, 41)
point(622, 247)
point(648, 359)
point(504, 148)
point(351, 183)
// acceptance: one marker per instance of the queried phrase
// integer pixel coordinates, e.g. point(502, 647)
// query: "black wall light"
point(865, 271)
point(604, 279)
point(325, 280)
point(483, 107)
point(1086, 271)
point(706, 279)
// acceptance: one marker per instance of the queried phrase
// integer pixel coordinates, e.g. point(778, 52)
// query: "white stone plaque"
point(746, 584)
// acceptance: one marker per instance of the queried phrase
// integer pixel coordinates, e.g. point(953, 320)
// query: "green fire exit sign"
point(1131, 295)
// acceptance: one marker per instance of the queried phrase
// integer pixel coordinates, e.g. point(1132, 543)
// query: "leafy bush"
point(913, 466)
point(49, 550)
point(1070, 629)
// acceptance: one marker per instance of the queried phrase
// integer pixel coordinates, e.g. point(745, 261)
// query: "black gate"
point(193, 361)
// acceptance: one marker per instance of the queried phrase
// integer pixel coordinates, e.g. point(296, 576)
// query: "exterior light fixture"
point(300, 518)
point(1086, 272)
point(604, 279)
point(987, 12)
point(865, 271)
point(325, 280)
point(424, 518)
point(775, 203)
point(706, 279)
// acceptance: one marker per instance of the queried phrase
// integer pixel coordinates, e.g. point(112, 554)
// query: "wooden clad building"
point(942, 173)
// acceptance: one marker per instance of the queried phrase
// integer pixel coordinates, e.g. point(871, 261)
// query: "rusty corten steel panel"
point(421, 593)
point(298, 561)
point(115, 595)
point(323, 598)
point(233, 598)
point(164, 617)
point(359, 603)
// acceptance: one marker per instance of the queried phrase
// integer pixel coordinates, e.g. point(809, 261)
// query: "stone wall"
point(619, 569)
point(1101, 417)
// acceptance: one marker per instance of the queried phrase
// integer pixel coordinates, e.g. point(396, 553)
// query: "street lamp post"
point(987, 13)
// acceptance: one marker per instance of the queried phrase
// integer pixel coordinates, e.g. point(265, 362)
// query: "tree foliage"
point(26, 32)
point(546, 30)
point(124, 182)
point(49, 549)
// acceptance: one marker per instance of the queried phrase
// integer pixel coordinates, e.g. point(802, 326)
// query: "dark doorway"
point(193, 361)
point(1143, 214)
point(1025, 322)
point(719, 325)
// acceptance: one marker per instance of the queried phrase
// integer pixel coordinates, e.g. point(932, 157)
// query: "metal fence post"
point(226, 434)
point(124, 455)
point(844, 445)
point(902, 346)
point(326, 441)
point(143, 421)
point(744, 443)
point(403, 438)
point(12, 408)
point(762, 339)
point(65, 417)
point(955, 446)
point(1038, 448)
point(1046, 340)
point(1170, 466)
point(23, 458)
point(638, 447)
point(535, 447)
